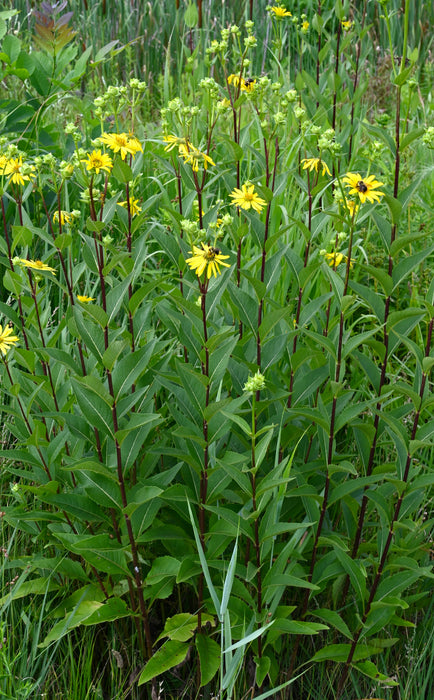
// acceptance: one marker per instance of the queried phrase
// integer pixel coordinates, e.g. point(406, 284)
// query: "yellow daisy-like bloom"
point(279, 12)
point(234, 79)
point(121, 143)
point(246, 198)
point(194, 156)
point(65, 217)
point(366, 189)
point(19, 172)
point(347, 25)
point(7, 340)
point(305, 26)
point(316, 164)
point(3, 163)
point(37, 265)
point(247, 84)
point(335, 259)
point(84, 299)
point(207, 258)
point(134, 206)
point(98, 161)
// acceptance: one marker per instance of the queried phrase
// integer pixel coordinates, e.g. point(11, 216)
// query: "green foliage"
point(216, 349)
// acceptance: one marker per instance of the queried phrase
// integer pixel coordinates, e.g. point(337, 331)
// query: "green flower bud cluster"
point(255, 383)
point(428, 137)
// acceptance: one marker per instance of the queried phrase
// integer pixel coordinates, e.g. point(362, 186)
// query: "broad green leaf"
point(334, 619)
point(262, 667)
point(91, 395)
point(209, 657)
point(182, 626)
point(369, 669)
point(169, 655)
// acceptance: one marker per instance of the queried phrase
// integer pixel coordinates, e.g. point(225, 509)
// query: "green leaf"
point(83, 611)
point(90, 394)
point(395, 208)
point(181, 627)
point(334, 619)
point(191, 15)
point(209, 658)
point(262, 667)
point(405, 266)
point(122, 171)
point(301, 627)
point(37, 586)
point(169, 655)
point(162, 567)
point(369, 669)
point(110, 610)
point(339, 652)
point(355, 570)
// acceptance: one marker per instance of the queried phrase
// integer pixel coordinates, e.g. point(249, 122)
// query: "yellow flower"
point(246, 198)
point(234, 79)
point(173, 142)
point(247, 84)
point(316, 164)
point(37, 265)
point(98, 161)
point(121, 143)
point(19, 171)
point(193, 156)
point(207, 258)
point(279, 12)
point(187, 151)
point(335, 259)
point(134, 206)
point(347, 25)
point(305, 26)
point(366, 189)
point(65, 217)
point(84, 299)
point(6, 339)
point(351, 205)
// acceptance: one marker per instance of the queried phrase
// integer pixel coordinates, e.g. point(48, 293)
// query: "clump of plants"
point(215, 356)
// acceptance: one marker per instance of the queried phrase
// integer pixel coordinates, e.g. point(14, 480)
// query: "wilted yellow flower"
point(347, 25)
point(194, 156)
point(19, 172)
point(37, 265)
point(207, 258)
point(98, 161)
point(246, 198)
point(316, 164)
point(121, 143)
point(366, 189)
point(134, 206)
point(84, 299)
point(335, 259)
point(351, 205)
point(279, 12)
point(65, 217)
point(173, 142)
point(7, 340)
